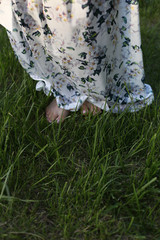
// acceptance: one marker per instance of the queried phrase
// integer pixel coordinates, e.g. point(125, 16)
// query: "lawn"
point(86, 179)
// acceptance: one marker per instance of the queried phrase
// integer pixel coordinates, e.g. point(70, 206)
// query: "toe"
point(88, 107)
point(51, 116)
point(54, 113)
point(62, 114)
point(96, 110)
point(85, 109)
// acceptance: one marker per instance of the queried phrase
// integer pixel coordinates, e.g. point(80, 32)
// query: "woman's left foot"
point(88, 107)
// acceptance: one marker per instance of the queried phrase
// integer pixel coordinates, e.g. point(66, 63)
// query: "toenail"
point(58, 120)
point(84, 111)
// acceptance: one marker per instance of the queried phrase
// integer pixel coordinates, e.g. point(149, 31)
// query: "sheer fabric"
point(80, 50)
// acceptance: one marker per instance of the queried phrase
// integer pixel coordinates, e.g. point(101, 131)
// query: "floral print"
point(81, 50)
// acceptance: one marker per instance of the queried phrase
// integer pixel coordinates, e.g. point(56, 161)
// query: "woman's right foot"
point(54, 113)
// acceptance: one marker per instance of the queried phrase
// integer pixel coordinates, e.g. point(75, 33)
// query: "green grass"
point(97, 178)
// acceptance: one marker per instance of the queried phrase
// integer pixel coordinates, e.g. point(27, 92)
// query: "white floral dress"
point(80, 50)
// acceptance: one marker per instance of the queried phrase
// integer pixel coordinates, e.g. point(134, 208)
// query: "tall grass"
point(93, 178)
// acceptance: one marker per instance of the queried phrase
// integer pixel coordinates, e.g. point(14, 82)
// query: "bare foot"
point(89, 107)
point(54, 113)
